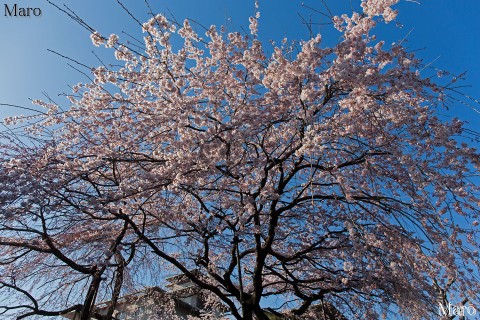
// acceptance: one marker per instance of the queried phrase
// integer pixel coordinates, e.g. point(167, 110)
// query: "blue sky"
point(446, 33)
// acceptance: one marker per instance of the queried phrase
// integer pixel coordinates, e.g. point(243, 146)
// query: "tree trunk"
point(247, 311)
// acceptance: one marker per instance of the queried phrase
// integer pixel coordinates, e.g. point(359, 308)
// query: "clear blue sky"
point(448, 31)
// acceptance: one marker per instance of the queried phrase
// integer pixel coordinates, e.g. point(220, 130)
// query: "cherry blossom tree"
point(295, 182)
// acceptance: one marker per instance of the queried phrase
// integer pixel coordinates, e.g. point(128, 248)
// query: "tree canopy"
point(306, 177)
